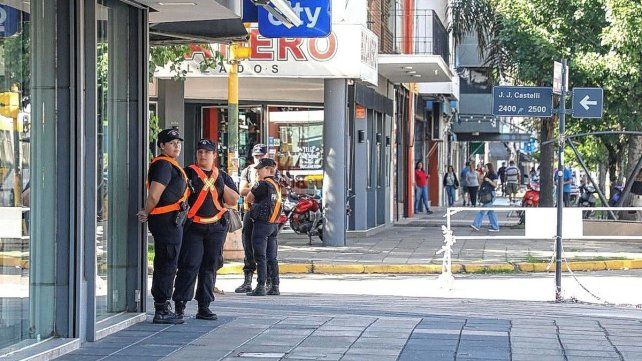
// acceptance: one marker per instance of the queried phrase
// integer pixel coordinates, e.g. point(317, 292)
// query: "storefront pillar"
point(334, 170)
point(171, 107)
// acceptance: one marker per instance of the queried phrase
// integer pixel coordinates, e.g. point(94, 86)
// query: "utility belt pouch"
point(181, 215)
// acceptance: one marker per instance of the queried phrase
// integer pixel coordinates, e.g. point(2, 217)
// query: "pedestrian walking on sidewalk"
point(464, 189)
point(165, 211)
point(501, 173)
point(472, 183)
point(512, 181)
point(487, 198)
point(421, 188)
point(451, 183)
point(201, 255)
point(265, 198)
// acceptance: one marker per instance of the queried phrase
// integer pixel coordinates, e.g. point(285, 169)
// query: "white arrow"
point(585, 102)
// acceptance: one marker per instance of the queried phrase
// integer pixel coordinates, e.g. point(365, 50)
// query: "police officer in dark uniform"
point(165, 210)
point(265, 198)
point(205, 231)
point(248, 180)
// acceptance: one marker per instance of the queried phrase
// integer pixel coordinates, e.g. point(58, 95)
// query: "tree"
point(174, 56)
point(522, 38)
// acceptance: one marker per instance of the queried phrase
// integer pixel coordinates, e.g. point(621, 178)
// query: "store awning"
point(184, 21)
point(205, 31)
point(414, 68)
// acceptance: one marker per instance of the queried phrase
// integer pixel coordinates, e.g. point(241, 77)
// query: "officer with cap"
point(265, 198)
point(165, 211)
point(248, 180)
point(205, 231)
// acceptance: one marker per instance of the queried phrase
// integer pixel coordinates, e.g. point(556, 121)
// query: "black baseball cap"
point(167, 135)
point(265, 162)
point(206, 144)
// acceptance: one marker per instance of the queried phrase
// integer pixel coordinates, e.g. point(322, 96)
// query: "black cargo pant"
point(200, 257)
point(249, 265)
point(265, 251)
point(167, 244)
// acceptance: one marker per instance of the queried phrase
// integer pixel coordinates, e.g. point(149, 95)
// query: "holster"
point(181, 215)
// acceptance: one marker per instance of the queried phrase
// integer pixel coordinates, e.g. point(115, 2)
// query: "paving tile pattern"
point(329, 327)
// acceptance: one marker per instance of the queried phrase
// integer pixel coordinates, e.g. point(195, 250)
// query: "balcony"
point(429, 36)
point(419, 57)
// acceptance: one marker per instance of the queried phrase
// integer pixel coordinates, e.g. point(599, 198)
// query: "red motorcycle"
point(304, 215)
point(531, 199)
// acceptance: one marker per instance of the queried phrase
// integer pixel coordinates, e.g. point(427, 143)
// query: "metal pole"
point(233, 115)
point(560, 186)
point(588, 175)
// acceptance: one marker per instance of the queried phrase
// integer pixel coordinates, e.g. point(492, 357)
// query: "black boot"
point(258, 291)
point(180, 308)
point(165, 316)
point(247, 284)
point(273, 290)
point(270, 272)
point(273, 278)
point(204, 313)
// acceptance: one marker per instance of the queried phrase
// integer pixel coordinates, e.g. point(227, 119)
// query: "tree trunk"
point(635, 153)
point(546, 163)
point(601, 176)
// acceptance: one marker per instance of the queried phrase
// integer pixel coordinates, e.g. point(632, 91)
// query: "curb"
point(467, 268)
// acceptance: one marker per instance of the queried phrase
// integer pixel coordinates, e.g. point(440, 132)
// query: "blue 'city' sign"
point(315, 15)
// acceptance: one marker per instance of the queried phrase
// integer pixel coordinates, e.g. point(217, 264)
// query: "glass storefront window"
point(215, 121)
point(295, 141)
point(15, 167)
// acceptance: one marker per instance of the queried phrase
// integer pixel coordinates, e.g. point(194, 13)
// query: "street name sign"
point(588, 102)
point(522, 101)
point(315, 15)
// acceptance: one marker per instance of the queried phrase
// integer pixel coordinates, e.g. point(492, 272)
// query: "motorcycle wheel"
point(321, 235)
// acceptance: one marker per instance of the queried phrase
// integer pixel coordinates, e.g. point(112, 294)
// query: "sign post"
point(560, 185)
point(516, 101)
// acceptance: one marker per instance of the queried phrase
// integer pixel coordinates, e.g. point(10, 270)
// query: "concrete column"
point(334, 168)
point(171, 106)
point(360, 175)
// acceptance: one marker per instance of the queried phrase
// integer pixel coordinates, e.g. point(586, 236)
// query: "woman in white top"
point(472, 183)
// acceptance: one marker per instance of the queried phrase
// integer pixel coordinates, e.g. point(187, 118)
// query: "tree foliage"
point(602, 40)
point(176, 55)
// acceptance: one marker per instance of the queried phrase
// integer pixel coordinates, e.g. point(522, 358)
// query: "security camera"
point(282, 10)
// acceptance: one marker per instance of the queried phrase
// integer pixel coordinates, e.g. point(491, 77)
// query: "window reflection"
point(15, 136)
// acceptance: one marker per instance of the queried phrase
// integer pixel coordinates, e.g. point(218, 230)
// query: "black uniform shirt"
point(166, 174)
point(208, 209)
point(263, 205)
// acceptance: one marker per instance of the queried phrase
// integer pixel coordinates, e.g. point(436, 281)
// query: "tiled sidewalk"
point(415, 241)
point(330, 327)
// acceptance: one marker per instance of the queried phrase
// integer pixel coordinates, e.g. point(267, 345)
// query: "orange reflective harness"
point(209, 186)
point(177, 205)
point(277, 207)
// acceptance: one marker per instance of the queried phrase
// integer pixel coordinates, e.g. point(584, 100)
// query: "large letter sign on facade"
point(315, 15)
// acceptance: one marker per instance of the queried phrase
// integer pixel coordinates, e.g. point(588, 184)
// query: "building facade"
point(73, 79)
